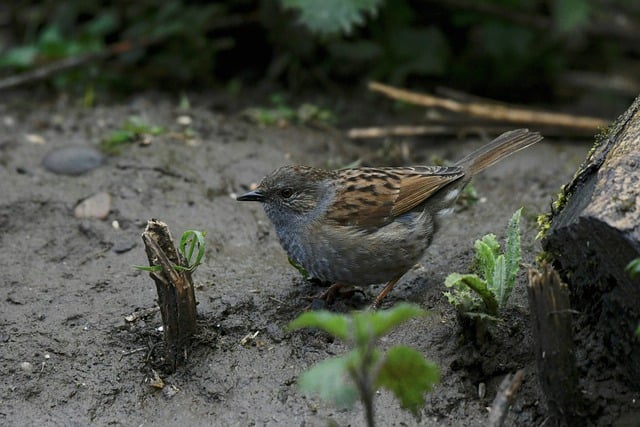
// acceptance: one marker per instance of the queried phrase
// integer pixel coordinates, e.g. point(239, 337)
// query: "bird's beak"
point(251, 196)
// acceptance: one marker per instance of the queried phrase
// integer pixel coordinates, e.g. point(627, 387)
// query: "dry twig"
point(506, 392)
point(497, 112)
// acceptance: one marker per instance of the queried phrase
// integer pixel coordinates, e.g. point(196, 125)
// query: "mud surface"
point(69, 357)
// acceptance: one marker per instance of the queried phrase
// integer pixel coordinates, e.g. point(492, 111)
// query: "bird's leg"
point(376, 302)
point(329, 295)
point(344, 291)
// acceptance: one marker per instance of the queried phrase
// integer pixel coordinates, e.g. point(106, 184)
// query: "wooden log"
point(176, 296)
point(594, 232)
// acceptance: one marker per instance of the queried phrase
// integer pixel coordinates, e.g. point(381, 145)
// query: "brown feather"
point(396, 191)
point(420, 183)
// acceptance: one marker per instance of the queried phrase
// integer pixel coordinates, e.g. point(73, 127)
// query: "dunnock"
point(363, 226)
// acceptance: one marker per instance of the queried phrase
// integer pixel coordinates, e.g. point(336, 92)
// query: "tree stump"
point(554, 346)
point(176, 296)
point(595, 232)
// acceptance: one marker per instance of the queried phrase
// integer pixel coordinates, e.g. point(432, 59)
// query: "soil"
point(70, 354)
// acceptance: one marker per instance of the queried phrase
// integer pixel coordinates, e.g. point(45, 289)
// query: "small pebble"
point(482, 390)
point(97, 206)
point(74, 160)
point(34, 138)
point(184, 120)
point(26, 367)
point(124, 246)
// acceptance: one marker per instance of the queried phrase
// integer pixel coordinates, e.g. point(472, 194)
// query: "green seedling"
point(282, 114)
point(483, 296)
point(365, 369)
point(133, 130)
point(192, 248)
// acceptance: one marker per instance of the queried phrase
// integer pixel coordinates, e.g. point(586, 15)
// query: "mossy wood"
point(595, 232)
point(176, 296)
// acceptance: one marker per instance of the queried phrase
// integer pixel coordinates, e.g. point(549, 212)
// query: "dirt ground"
point(69, 357)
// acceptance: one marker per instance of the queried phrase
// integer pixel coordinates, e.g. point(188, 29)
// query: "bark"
point(595, 232)
point(554, 345)
point(176, 296)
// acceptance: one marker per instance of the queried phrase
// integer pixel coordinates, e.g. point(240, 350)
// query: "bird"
point(369, 225)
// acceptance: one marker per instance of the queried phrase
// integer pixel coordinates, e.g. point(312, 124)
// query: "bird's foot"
point(329, 295)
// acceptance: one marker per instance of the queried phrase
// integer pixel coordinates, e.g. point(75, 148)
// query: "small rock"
point(123, 246)
point(73, 160)
point(97, 206)
point(184, 120)
point(34, 138)
point(26, 367)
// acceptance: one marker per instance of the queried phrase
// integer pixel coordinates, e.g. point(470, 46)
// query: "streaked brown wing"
point(370, 197)
point(421, 182)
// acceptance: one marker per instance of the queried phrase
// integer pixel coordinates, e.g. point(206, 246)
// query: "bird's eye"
point(286, 193)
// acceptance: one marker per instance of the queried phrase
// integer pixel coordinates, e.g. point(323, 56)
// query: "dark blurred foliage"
point(511, 49)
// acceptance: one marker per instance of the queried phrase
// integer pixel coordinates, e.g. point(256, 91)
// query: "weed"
point(365, 369)
point(281, 114)
point(498, 272)
point(133, 130)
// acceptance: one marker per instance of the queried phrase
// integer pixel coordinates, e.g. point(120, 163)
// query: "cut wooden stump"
point(595, 232)
point(176, 296)
point(554, 347)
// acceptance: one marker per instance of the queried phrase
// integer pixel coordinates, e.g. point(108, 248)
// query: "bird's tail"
point(501, 147)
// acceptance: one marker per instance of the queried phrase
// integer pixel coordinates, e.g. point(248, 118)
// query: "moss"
point(544, 220)
point(544, 256)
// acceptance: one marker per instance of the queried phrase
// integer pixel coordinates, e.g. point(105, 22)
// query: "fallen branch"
point(402, 130)
point(498, 112)
point(504, 398)
point(446, 127)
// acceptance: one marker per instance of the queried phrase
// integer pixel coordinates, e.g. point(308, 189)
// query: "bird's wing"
point(369, 197)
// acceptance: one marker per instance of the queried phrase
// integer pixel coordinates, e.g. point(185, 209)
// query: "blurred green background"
point(535, 51)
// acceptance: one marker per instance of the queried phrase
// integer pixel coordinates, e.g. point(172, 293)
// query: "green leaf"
point(633, 268)
point(512, 253)
point(498, 284)
point(152, 268)
point(462, 298)
point(19, 57)
point(487, 249)
point(193, 239)
point(337, 325)
point(408, 375)
point(332, 16)
point(374, 324)
point(478, 285)
point(330, 379)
